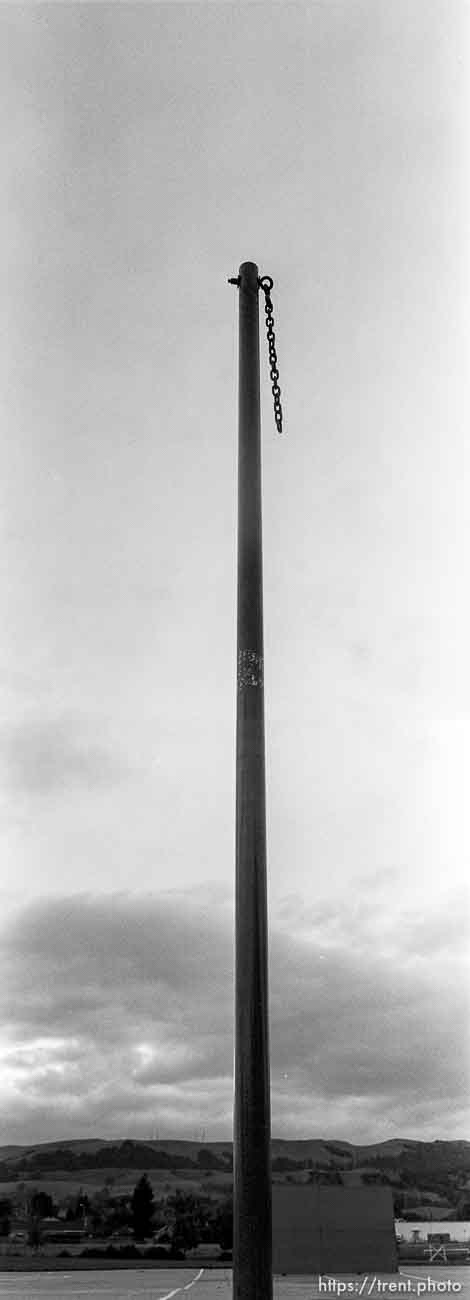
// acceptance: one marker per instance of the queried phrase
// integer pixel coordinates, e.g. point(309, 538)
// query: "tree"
point(118, 1216)
point(77, 1207)
point(223, 1224)
point(42, 1205)
point(142, 1208)
point(5, 1216)
point(188, 1219)
point(34, 1233)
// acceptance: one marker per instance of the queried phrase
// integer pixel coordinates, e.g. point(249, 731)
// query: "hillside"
point(427, 1179)
point(96, 1152)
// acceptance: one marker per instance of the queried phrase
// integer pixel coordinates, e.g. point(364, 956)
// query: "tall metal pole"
point(252, 1251)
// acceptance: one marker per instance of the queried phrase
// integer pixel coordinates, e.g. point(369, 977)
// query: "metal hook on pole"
point(266, 282)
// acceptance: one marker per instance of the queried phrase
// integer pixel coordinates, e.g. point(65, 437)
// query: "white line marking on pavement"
point(195, 1279)
point(183, 1288)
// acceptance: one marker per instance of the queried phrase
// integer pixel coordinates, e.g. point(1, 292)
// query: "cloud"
point(44, 757)
point(118, 1015)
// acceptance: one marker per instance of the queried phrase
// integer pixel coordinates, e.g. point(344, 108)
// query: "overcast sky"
point(147, 150)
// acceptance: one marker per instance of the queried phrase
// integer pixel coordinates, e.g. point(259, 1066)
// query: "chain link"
point(266, 284)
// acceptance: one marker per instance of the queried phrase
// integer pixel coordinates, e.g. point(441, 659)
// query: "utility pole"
point(252, 1248)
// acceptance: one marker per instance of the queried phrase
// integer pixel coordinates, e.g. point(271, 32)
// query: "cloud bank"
point(50, 756)
point(118, 1018)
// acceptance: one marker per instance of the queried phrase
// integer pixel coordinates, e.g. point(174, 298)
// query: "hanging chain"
point(266, 284)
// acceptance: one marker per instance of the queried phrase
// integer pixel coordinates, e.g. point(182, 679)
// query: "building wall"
point(333, 1230)
point(459, 1231)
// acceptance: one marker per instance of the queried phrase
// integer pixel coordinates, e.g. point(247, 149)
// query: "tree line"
point(182, 1219)
point(125, 1155)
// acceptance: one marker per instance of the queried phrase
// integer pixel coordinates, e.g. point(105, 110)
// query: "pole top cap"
point(249, 271)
